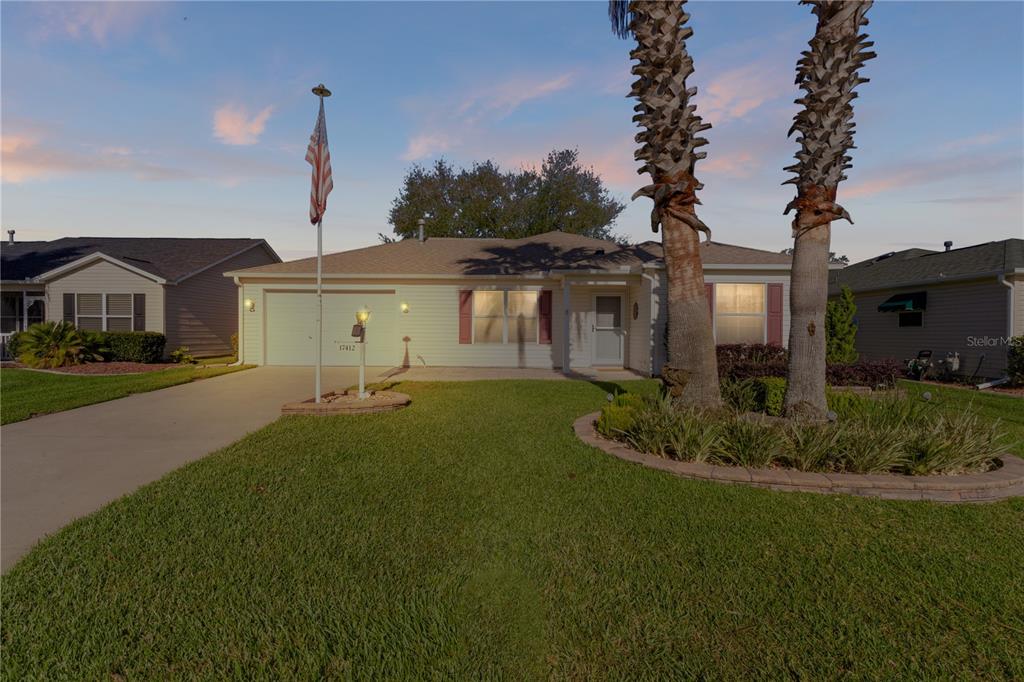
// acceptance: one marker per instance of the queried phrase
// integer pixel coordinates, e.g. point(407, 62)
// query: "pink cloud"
point(232, 124)
point(97, 22)
point(467, 115)
point(735, 93)
point(26, 159)
point(927, 171)
point(735, 165)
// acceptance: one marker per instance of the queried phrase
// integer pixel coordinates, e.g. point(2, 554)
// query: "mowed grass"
point(1008, 410)
point(24, 393)
point(473, 536)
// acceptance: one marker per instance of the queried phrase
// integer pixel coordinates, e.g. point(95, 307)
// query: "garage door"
point(291, 321)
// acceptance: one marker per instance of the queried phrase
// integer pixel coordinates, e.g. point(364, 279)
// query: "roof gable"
point(170, 259)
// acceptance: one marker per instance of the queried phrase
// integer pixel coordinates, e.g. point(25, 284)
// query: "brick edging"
point(1005, 482)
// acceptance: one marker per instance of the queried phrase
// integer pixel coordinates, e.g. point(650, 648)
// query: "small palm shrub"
point(809, 447)
point(58, 344)
point(695, 436)
point(749, 443)
point(867, 449)
point(652, 425)
point(183, 356)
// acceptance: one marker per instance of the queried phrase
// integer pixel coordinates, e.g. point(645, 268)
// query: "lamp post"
point(362, 317)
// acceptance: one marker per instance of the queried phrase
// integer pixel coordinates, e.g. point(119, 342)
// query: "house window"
point(104, 312)
point(739, 313)
point(505, 316)
point(912, 319)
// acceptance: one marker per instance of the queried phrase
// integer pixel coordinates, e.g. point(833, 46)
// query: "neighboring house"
point(555, 300)
point(173, 286)
point(968, 301)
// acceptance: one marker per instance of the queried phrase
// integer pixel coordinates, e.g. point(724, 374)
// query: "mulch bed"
point(105, 367)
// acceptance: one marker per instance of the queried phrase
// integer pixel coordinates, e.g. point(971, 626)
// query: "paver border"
point(378, 401)
point(1005, 482)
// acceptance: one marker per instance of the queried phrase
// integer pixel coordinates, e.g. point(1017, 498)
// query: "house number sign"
point(347, 346)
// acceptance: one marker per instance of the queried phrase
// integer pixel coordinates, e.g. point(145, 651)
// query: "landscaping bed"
point(106, 368)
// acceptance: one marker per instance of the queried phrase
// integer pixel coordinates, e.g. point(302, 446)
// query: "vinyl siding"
point(638, 346)
point(202, 311)
point(102, 277)
point(431, 325)
point(956, 314)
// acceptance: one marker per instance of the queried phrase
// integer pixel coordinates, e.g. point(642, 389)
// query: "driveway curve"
point(59, 467)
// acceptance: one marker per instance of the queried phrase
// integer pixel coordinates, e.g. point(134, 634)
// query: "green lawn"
point(473, 536)
point(1007, 409)
point(24, 393)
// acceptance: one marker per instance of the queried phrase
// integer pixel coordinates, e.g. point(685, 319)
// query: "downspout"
point(566, 326)
point(1009, 305)
point(241, 323)
point(651, 321)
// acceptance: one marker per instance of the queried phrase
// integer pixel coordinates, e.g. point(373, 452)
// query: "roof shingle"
point(170, 258)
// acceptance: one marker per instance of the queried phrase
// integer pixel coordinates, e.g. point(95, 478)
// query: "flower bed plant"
point(890, 434)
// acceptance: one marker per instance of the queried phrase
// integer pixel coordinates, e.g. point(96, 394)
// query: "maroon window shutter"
point(545, 316)
point(465, 316)
point(709, 293)
point(775, 314)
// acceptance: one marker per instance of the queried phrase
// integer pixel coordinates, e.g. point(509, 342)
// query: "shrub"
point(135, 346)
point(771, 394)
point(749, 443)
point(873, 374)
point(844, 403)
point(953, 443)
point(615, 420)
point(841, 329)
point(234, 344)
point(651, 426)
point(1015, 361)
point(808, 447)
point(866, 449)
point(58, 344)
point(12, 344)
point(695, 436)
point(182, 356)
point(740, 395)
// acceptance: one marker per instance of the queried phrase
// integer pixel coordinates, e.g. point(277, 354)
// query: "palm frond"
point(620, 16)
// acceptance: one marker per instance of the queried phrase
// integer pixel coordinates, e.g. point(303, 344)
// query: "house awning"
point(904, 302)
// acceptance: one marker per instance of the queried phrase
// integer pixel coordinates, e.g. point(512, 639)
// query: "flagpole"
point(319, 302)
point(321, 92)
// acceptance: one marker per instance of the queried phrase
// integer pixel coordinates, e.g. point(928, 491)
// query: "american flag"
point(319, 157)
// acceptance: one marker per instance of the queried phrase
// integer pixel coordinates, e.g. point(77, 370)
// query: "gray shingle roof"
point(170, 258)
point(914, 266)
point(539, 253)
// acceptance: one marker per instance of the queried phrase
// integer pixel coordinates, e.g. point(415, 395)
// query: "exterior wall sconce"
point(363, 316)
point(250, 305)
point(404, 307)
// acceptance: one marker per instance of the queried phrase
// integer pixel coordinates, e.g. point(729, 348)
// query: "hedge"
point(1015, 361)
point(751, 361)
point(134, 346)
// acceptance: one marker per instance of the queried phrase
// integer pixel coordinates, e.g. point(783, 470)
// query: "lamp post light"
point(362, 317)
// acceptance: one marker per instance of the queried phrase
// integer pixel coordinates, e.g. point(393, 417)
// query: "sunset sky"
point(152, 119)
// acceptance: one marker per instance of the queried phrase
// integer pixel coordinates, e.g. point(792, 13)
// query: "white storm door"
point(608, 332)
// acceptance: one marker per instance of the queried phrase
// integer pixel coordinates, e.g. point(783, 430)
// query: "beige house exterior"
point(554, 301)
point(968, 301)
point(174, 286)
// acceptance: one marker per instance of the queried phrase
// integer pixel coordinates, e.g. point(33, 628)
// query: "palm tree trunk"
point(691, 372)
point(808, 298)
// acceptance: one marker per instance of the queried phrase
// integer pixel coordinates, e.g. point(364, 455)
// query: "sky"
point(192, 119)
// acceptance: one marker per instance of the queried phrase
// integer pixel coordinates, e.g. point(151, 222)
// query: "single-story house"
point(968, 301)
point(554, 300)
point(173, 286)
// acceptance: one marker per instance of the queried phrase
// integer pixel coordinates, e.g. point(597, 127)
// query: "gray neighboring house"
point(968, 300)
point(170, 285)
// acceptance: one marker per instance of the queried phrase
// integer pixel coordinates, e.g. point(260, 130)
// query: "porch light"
point(404, 307)
point(363, 316)
point(250, 305)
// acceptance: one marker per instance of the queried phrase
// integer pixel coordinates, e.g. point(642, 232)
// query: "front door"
point(608, 332)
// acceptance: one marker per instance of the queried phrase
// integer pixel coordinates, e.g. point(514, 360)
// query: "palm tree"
point(669, 144)
point(828, 74)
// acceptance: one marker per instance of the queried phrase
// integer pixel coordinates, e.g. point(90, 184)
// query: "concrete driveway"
point(57, 468)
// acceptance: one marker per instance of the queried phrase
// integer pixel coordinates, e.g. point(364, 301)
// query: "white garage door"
point(291, 320)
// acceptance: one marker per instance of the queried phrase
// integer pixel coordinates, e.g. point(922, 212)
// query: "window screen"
point(739, 313)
